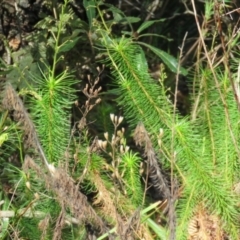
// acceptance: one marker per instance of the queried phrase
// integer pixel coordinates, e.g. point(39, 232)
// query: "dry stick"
point(153, 7)
point(159, 182)
point(43, 226)
point(226, 57)
point(68, 194)
point(141, 138)
point(230, 12)
point(172, 212)
point(216, 81)
point(131, 225)
point(60, 223)
point(146, 182)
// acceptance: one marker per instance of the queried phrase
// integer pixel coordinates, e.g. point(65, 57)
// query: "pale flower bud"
point(98, 100)
point(127, 148)
point(120, 119)
point(100, 143)
point(121, 149)
point(113, 139)
point(104, 144)
point(91, 107)
point(28, 185)
point(36, 195)
point(106, 135)
point(119, 133)
point(160, 133)
point(112, 117)
point(115, 119)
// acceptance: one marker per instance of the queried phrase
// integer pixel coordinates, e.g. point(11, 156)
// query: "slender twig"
point(172, 213)
point(152, 8)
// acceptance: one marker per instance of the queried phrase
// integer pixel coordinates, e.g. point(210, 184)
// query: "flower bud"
point(98, 100)
point(121, 149)
point(104, 144)
point(100, 143)
point(160, 133)
point(119, 133)
point(36, 195)
point(120, 119)
point(106, 135)
point(127, 149)
point(115, 120)
point(112, 117)
point(28, 185)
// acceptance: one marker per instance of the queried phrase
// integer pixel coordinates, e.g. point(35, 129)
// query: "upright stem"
point(57, 39)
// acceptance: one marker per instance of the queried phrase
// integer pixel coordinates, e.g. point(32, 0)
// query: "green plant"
point(194, 149)
point(51, 96)
point(71, 179)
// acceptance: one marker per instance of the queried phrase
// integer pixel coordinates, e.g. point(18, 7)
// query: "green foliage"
point(4, 130)
point(90, 10)
point(129, 168)
point(54, 95)
point(4, 222)
point(169, 60)
point(201, 166)
point(132, 78)
point(10, 140)
point(200, 151)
